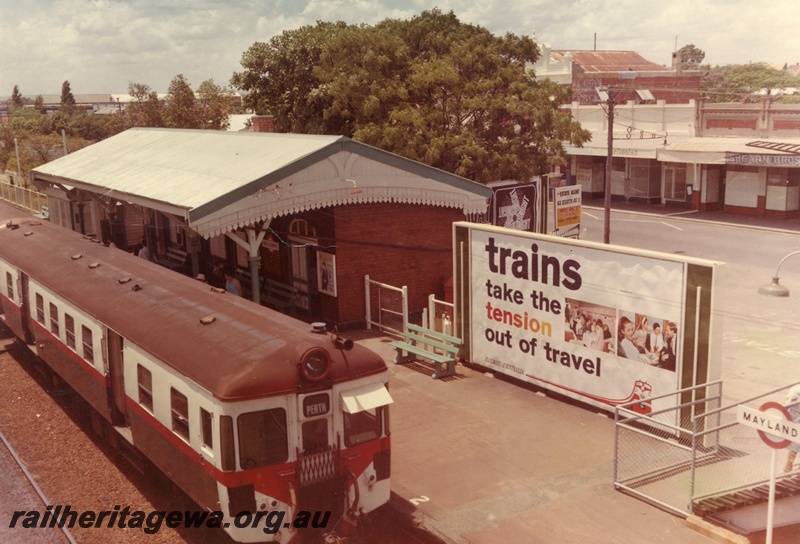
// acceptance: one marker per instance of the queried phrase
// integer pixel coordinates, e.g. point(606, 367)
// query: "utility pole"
point(609, 158)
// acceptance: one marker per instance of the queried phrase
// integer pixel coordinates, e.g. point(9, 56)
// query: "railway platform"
point(476, 459)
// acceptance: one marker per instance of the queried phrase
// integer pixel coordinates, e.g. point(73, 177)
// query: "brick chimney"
point(263, 123)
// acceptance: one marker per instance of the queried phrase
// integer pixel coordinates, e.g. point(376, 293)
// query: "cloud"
point(102, 45)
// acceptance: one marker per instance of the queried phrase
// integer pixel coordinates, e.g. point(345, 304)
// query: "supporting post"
point(609, 158)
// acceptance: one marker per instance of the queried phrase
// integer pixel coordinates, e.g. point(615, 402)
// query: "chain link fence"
point(693, 457)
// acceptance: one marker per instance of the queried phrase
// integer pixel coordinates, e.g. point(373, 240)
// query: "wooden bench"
point(279, 295)
point(44, 213)
point(174, 258)
point(417, 339)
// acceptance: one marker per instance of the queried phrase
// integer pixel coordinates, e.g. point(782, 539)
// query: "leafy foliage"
point(691, 56)
point(745, 82)
point(67, 98)
point(431, 88)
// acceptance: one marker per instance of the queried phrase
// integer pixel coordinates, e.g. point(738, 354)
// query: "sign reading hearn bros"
point(603, 324)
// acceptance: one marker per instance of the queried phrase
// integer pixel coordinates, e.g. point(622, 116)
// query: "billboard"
point(603, 324)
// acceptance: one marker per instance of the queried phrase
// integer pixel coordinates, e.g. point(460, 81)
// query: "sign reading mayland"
point(603, 324)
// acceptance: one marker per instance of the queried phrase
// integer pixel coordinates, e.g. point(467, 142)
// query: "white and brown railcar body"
point(244, 408)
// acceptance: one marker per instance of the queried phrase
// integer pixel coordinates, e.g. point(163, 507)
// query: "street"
point(760, 349)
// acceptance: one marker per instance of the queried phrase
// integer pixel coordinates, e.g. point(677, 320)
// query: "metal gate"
point(387, 306)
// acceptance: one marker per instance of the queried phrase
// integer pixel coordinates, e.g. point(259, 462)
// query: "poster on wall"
point(326, 273)
point(603, 324)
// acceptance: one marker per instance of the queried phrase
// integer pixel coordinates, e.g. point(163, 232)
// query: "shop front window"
point(675, 183)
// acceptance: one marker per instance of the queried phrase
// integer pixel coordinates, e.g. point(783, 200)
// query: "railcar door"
point(25, 307)
point(116, 378)
point(317, 457)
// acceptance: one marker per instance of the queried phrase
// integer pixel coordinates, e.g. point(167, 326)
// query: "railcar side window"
point(69, 326)
point(88, 347)
point(207, 420)
point(39, 308)
point(263, 438)
point(53, 319)
point(145, 378)
point(10, 285)
point(362, 426)
point(180, 413)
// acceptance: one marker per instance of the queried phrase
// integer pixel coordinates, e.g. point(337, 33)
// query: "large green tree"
point(145, 110)
point(691, 57)
point(745, 82)
point(279, 78)
point(430, 88)
point(180, 111)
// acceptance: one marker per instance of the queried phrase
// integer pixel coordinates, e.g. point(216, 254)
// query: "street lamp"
point(775, 289)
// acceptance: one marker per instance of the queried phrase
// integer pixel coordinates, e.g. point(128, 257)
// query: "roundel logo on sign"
point(779, 444)
point(776, 430)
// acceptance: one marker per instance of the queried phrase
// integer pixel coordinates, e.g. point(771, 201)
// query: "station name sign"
point(778, 426)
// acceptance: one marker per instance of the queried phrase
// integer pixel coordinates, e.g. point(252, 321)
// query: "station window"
point(263, 439)
point(39, 308)
point(69, 327)
point(145, 379)
point(53, 319)
point(207, 421)
point(88, 347)
point(10, 285)
point(180, 413)
point(363, 426)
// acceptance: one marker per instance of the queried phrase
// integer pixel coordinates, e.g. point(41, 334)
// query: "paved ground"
point(482, 460)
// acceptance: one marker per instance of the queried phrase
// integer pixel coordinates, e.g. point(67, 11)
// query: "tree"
point(432, 89)
point(279, 78)
point(16, 98)
point(691, 57)
point(67, 99)
point(145, 110)
point(745, 82)
point(214, 105)
point(179, 111)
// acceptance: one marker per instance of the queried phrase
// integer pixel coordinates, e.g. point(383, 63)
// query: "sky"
point(101, 46)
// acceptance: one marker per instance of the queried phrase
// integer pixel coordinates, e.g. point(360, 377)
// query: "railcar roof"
point(248, 351)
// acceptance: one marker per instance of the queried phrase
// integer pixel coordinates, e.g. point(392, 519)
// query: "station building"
point(309, 214)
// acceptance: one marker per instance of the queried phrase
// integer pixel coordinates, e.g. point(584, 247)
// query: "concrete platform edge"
point(715, 532)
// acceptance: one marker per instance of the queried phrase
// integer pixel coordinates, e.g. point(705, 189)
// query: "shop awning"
point(365, 398)
point(632, 148)
point(729, 151)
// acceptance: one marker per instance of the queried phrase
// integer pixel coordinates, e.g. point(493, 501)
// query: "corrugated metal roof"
point(611, 61)
point(195, 173)
point(184, 168)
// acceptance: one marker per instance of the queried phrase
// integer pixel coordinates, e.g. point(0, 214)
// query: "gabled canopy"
point(220, 181)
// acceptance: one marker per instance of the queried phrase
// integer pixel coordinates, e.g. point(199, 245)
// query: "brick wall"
point(263, 123)
point(397, 244)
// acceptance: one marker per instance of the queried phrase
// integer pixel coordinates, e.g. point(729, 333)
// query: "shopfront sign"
point(775, 161)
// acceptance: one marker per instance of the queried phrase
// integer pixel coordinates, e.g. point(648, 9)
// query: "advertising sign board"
point(604, 324)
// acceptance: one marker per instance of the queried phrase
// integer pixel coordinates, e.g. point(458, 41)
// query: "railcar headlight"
point(315, 365)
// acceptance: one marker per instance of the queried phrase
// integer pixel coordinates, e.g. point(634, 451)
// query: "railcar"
point(251, 412)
